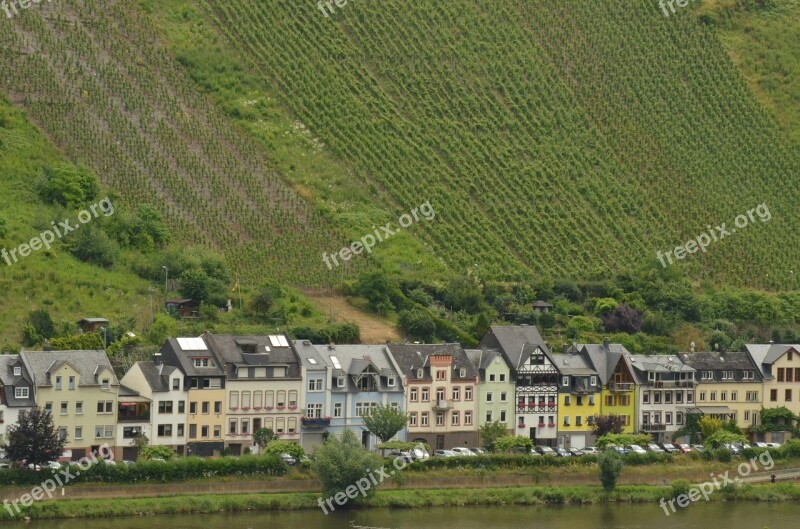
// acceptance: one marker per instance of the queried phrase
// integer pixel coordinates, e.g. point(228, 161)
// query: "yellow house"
point(618, 396)
point(204, 381)
point(80, 390)
point(779, 365)
point(729, 386)
point(578, 399)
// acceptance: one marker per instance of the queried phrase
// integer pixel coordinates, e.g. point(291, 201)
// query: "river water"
point(716, 515)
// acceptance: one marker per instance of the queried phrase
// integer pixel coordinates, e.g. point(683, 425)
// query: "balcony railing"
point(316, 422)
point(654, 427)
point(441, 405)
point(621, 386)
point(667, 384)
point(133, 417)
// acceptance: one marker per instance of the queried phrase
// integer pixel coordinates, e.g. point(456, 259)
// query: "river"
point(716, 515)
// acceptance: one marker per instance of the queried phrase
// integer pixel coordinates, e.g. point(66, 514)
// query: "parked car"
point(562, 452)
point(619, 449)
point(420, 453)
point(4, 466)
point(773, 445)
point(636, 449)
point(288, 459)
point(761, 445)
point(127, 462)
point(576, 452)
point(698, 448)
point(545, 450)
point(732, 447)
point(684, 448)
point(463, 451)
point(591, 450)
point(655, 448)
point(670, 448)
point(444, 453)
point(478, 451)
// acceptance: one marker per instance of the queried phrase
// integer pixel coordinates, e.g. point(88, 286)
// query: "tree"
point(261, 302)
point(263, 436)
point(384, 422)
point(606, 424)
point(721, 437)
point(465, 293)
point(623, 318)
point(341, 462)
point(34, 439)
point(92, 245)
point(508, 443)
point(140, 441)
point(378, 290)
point(491, 432)
point(609, 465)
point(195, 284)
point(285, 447)
point(78, 342)
point(156, 452)
point(38, 327)
point(418, 324)
point(709, 426)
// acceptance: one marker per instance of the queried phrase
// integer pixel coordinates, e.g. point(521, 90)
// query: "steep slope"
point(574, 138)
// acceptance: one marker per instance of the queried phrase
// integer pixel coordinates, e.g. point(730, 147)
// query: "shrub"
point(724, 455)
point(679, 487)
point(610, 467)
point(340, 463)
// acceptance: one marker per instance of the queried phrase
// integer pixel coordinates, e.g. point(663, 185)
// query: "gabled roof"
point(571, 364)
point(157, 376)
point(173, 354)
point(768, 353)
point(9, 382)
point(41, 364)
point(410, 357)
point(354, 359)
point(310, 357)
point(604, 358)
point(515, 342)
point(642, 364)
point(713, 360)
point(268, 350)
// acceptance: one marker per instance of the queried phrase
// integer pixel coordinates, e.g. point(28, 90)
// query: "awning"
point(707, 410)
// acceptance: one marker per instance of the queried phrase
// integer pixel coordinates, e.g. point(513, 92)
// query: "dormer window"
point(105, 383)
point(340, 382)
point(201, 362)
point(17, 371)
point(390, 381)
point(419, 373)
point(462, 372)
point(21, 393)
point(593, 381)
point(651, 376)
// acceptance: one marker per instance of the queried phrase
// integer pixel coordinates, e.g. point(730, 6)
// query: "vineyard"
point(564, 137)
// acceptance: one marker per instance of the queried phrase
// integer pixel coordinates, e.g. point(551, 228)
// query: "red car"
point(684, 448)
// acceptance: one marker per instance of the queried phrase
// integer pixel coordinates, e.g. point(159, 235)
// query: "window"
point(579, 400)
point(193, 408)
point(78, 432)
point(747, 416)
point(62, 432)
point(565, 381)
point(105, 383)
point(668, 397)
point(165, 406)
point(192, 431)
point(315, 384)
point(713, 395)
point(340, 382)
point(412, 419)
point(204, 431)
point(668, 418)
point(390, 381)
point(426, 394)
point(489, 396)
point(455, 419)
point(456, 393)
point(217, 431)
point(64, 408)
point(489, 416)
point(773, 395)
point(58, 383)
point(424, 418)
point(593, 381)
point(293, 399)
point(646, 397)
point(176, 384)
point(708, 375)
point(748, 375)
point(502, 377)
point(414, 394)
point(441, 374)
point(690, 397)
point(17, 371)
point(232, 426)
point(181, 406)
point(679, 418)
point(103, 432)
point(591, 400)
point(314, 411)
point(194, 383)
point(609, 400)
point(578, 420)
point(281, 400)
point(723, 395)
point(21, 393)
point(751, 396)
point(657, 397)
point(491, 377)
point(567, 401)
point(48, 407)
point(337, 409)
point(788, 395)
point(702, 396)
point(503, 397)
point(180, 430)
point(503, 416)
point(72, 383)
point(79, 408)
point(679, 397)
point(164, 430)
point(651, 376)
point(467, 418)
point(780, 374)
point(468, 393)
point(789, 377)
point(205, 408)
point(218, 407)
point(566, 420)
point(201, 362)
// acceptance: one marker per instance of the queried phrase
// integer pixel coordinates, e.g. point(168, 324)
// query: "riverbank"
point(489, 496)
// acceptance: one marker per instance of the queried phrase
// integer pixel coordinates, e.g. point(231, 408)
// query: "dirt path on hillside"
point(374, 330)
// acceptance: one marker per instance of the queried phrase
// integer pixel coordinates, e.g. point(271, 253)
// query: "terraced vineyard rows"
point(572, 137)
point(94, 77)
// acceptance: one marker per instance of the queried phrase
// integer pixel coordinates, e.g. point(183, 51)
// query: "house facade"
point(535, 380)
point(204, 382)
point(80, 391)
point(157, 405)
point(619, 390)
point(315, 423)
point(578, 399)
point(264, 387)
point(441, 394)
point(779, 367)
point(16, 392)
point(665, 390)
point(496, 392)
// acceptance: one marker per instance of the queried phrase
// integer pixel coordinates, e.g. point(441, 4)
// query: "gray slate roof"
point(10, 382)
point(410, 357)
point(157, 376)
point(605, 358)
point(88, 363)
point(515, 342)
point(173, 355)
point(227, 346)
point(642, 364)
point(571, 364)
point(764, 355)
point(353, 359)
point(307, 352)
point(712, 360)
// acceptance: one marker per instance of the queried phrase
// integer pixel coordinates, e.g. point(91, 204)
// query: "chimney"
point(605, 345)
point(157, 359)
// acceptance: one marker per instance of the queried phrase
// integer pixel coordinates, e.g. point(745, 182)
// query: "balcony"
point(654, 427)
point(441, 405)
point(316, 422)
point(668, 384)
point(620, 386)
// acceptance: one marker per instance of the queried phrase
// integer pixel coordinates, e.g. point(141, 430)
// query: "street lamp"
point(105, 337)
point(166, 278)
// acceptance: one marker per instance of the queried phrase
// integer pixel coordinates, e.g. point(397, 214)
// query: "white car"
point(463, 451)
point(637, 449)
